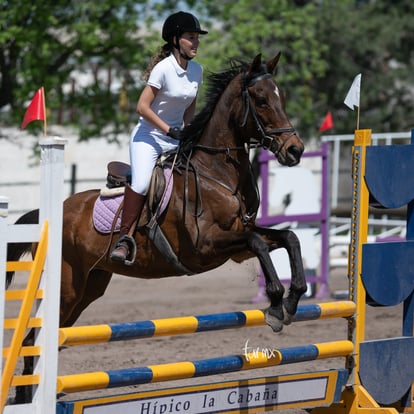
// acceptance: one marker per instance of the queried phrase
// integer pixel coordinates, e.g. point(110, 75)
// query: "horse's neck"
point(220, 132)
point(225, 156)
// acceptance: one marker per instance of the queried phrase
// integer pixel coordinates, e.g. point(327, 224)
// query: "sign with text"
point(315, 389)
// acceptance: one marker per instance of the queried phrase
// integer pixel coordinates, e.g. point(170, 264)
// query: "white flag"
point(352, 97)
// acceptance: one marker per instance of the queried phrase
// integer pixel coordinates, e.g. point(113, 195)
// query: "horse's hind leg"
point(24, 393)
point(97, 282)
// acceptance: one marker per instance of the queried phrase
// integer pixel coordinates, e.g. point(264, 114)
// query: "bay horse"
point(210, 217)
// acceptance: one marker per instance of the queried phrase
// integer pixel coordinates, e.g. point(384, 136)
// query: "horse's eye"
point(260, 101)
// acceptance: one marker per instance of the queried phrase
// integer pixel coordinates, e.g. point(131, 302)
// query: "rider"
point(166, 104)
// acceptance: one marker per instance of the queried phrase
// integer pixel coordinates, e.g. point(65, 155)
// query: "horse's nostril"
point(295, 151)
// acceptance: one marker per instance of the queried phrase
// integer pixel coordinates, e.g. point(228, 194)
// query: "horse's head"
point(264, 118)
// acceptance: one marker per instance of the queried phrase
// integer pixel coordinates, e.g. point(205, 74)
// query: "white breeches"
point(144, 152)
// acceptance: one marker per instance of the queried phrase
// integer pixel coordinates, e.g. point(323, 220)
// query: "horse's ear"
point(256, 64)
point(271, 65)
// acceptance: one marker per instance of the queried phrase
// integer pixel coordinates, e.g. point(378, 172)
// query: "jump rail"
point(190, 324)
point(203, 367)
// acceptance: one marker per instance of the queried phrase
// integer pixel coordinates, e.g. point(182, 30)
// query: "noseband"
point(265, 139)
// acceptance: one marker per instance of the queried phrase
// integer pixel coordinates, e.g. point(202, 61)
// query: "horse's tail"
point(16, 250)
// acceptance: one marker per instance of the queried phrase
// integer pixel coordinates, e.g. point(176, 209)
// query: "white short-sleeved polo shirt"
point(177, 89)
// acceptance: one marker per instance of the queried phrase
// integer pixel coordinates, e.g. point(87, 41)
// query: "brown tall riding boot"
point(133, 205)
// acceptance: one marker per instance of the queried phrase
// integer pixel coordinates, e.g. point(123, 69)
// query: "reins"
point(227, 150)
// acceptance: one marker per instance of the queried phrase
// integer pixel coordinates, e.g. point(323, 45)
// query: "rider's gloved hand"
point(175, 133)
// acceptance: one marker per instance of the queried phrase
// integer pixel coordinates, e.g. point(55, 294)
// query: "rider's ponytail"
point(163, 52)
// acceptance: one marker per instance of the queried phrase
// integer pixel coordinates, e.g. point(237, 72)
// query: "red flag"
point(36, 110)
point(327, 122)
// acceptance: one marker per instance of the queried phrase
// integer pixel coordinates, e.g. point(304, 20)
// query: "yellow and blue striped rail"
point(190, 324)
point(200, 368)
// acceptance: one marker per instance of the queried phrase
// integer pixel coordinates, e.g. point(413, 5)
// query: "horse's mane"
point(216, 84)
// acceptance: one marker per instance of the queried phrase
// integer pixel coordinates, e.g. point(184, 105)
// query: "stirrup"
point(130, 241)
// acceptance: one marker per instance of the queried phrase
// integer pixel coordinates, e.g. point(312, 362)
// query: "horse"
point(210, 217)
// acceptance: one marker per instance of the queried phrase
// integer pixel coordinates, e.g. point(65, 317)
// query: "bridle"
point(265, 139)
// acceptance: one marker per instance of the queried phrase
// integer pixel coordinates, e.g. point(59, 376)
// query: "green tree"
point(54, 42)
point(373, 38)
point(248, 27)
point(324, 44)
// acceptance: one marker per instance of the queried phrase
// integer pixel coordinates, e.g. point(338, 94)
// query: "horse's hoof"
point(289, 310)
point(275, 323)
point(287, 317)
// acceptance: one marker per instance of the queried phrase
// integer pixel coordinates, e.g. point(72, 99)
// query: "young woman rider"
point(166, 104)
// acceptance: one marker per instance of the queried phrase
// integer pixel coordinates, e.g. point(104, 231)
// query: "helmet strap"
point(184, 56)
point(177, 46)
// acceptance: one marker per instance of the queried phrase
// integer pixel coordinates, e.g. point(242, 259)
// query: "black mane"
point(217, 83)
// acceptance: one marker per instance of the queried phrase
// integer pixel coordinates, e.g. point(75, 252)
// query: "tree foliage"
point(68, 47)
point(270, 26)
point(373, 38)
point(324, 44)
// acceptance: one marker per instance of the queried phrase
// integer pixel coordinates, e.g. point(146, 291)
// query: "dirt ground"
point(229, 288)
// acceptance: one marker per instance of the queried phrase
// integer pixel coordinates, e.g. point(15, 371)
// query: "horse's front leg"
point(288, 240)
point(274, 315)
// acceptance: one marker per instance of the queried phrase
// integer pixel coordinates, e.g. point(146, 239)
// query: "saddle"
point(119, 175)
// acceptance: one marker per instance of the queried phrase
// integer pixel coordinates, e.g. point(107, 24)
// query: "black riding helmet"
point(178, 23)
